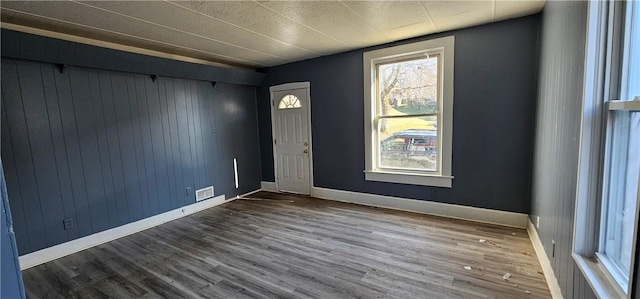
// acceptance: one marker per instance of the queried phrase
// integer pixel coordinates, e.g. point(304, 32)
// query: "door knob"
point(306, 151)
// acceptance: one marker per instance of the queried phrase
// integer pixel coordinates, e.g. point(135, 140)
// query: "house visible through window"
point(408, 113)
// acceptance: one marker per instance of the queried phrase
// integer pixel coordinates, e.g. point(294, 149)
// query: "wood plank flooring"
point(288, 246)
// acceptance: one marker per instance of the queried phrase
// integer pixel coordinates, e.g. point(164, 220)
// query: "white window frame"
point(601, 81)
point(441, 178)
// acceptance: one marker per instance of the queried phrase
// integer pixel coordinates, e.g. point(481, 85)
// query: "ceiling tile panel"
point(96, 34)
point(193, 23)
point(513, 9)
point(96, 18)
point(78, 14)
point(388, 15)
point(190, 41)
point(255, 17)
point(397, 19)
point(450, 15)
point(7, 16)
point(257, 33)
point(331, 18)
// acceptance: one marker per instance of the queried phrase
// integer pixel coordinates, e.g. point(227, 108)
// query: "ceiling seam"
point(366, 22)
point(240, 27)
point(309, 27)
point(426, 11)
point(493, 8)
point(137, 37)
point(178, 30)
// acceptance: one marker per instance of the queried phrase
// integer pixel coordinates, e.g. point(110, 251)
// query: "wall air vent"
point(204, 193)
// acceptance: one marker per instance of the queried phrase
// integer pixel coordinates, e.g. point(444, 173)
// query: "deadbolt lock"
point(305, 143)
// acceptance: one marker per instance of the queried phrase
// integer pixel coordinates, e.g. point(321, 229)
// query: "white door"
point(291, 139)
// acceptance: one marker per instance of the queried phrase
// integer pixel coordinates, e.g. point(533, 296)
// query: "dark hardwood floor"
point(286, 246)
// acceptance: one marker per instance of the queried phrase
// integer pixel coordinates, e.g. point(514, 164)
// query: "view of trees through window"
point(408, 113)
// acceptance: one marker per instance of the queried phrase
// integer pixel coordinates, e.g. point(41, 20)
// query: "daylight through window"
point(608, 194)
point(289, 101)
point(622, 160)
point(408, 113)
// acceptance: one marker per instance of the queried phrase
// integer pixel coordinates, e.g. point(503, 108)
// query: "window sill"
point(601, 283)
point(408, 178)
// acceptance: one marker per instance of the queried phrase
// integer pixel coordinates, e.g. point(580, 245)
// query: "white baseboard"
point(554, 287)
point(249, 193)
point(426, 207)
point(48, 254)
point(268, 186)
point(420, 206)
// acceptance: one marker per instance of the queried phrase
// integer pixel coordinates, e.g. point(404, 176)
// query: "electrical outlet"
point(537, 221)
point(67, 223)
point(188, 191)
point(434, 193)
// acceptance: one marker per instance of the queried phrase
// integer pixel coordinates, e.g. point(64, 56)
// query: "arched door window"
point(289, 102)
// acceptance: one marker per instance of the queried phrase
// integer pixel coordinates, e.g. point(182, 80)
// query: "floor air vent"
point(204, 193)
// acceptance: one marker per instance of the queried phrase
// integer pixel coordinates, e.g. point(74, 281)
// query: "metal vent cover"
point(204, 193)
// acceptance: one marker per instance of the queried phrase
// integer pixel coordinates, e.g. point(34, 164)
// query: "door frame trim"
point(282, 87)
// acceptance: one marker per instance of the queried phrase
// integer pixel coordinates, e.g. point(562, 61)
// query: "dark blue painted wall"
point(108, 148)
point(494, 105)
point(10, 277)
point(563, 34)
point(45, 49)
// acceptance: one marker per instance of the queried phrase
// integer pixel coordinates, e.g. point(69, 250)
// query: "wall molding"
point(54, 252)
point(152, 62)
point(504, 218)
point(554, 287)
point(114, 46)
point(268, 186)
point(248, 193)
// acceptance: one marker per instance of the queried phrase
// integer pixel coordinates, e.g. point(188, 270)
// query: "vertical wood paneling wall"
point(106, 148)
point(557, 137)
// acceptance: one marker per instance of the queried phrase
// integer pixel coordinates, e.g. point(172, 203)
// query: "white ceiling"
point(257, 33)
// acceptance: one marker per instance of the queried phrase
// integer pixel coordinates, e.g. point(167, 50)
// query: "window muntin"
point(408, 94)
point(621, 193)
point(409, 113)
point(289, 102)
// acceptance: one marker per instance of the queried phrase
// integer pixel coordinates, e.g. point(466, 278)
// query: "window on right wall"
point(622, 158)
point(607, 205)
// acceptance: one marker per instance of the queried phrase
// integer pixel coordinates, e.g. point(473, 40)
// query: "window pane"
point(408, 87)
point(623, 157)
point(633, 56)
point(408, 143)
point(622, 194)
point(289, 101)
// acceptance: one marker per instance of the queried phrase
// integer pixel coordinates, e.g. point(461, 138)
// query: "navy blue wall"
point(494, 105)
point(107, 148)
